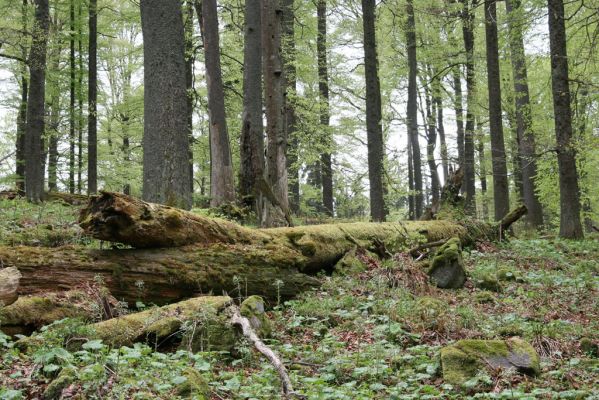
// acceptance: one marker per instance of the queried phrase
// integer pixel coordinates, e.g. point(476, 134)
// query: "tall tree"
point(431, 143)
point(80, 100)
point(459, 112)
point(501, 189)
point(92, 92)
point(323, 88)
point(72, 96)
point(165, 142)
point(252, 141)
point(189, 61)
point(274, 82)
point(570, 225)
point(412, 108)
point(373, 113)
point(288, 26)
point(526, 139)
point(22, 114)
point(441, 128)
point(468, 35)
point(222, 186)
point(34, 167)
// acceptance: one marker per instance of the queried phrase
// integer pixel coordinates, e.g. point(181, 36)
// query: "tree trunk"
point(468, 34)
point(441, 129)
point(252, 141)
point(222, 186)
point(9, 286)
point(34, 169)
point(411, 207)
point(22, 115)
point(276, 163)
point(501, 188)
point(72, 88)
point(80, 103)
point(431, 138)
point(526, 139)
point(459, 114)
point(189, 80)
point(288, 25)
point(570, 225)
point(54, 106)
point(92, 117)
point(166, 142)
point(373, 114)
point(412, 109)
point(482, 171)
point(323, 89)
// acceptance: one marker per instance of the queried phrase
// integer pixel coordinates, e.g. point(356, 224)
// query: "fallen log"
point(162, 275)
point(9, 285)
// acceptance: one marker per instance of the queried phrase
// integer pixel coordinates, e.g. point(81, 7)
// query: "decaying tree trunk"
point(9, 286)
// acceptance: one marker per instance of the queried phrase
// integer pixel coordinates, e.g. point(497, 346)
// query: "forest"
point(325, 199)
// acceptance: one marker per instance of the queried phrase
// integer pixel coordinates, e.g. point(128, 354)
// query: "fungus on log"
point(9, 285)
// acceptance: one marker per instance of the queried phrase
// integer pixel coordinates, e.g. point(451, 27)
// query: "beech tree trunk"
point(288, 26)
point(92, 117)
point(468, 34)
point(459, 113)
point(323, 88)
point(412, 110)
point(72, 73)
point(252, 141)
point(273, 71)
point(374, 129)
point(189, 80)
point(222, 186)
point(165, 142)
point(22, 114)
point(570, 225)
point(501, 189)
point(34, 164)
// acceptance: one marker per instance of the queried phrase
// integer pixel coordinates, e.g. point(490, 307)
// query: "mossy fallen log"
point(198, 324)
point(9, 286)
point(163, 275)
point(91, 303)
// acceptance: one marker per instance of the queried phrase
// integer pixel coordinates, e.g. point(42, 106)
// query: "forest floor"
point(374, 334)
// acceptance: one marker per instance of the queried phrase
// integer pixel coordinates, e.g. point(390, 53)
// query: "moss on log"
point(162, 275)
point(199, 323)
point(9, 286)
point(120, 218)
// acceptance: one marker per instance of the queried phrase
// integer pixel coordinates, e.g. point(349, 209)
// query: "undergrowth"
point(372, 335)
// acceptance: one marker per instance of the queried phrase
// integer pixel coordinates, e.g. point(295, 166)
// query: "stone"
point(253, 309)
point(195, 385)
point(447, 266)
point(65, 378)
point(487, 281)
point(589, 347)
point(466, 358)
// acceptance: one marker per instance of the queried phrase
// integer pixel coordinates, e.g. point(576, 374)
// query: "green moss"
point(350, 264)
point(66, 377)
point(484, 297)
point(38, 311)
point(465, 358)
point(195, 385)
point(447, 266)
point(487, 281)
point(253, 309)
point(589, 347)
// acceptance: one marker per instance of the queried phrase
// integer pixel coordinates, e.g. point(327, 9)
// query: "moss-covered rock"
point(589, 347)
point(484, 296)
point(510, 330)
point(195, 385)
point(464, 359)
point(487, 281)
point(447, 266)
point(253, 309)
point(66, 377)
point(350, 264)
point(431, 311)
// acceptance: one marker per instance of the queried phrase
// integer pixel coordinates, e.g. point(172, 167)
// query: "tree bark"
point(222, 186)
point(92, 117)
point(570, 225)
point(501, 189)
point(441, 128)
point(468, 34)
point(72, 88)
point(9, 286)
point(526, 139)
point(22, 114)
point(459, 114)
point(34, 167)
point(189, 80)
point(273, 71)
point(80, 101)
point(412, 110)
point(482, 171)
point(288, 26)
point(431, 138)
point(323, 89)
point(166, 142)
point(373, 114)
point(252, 141)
